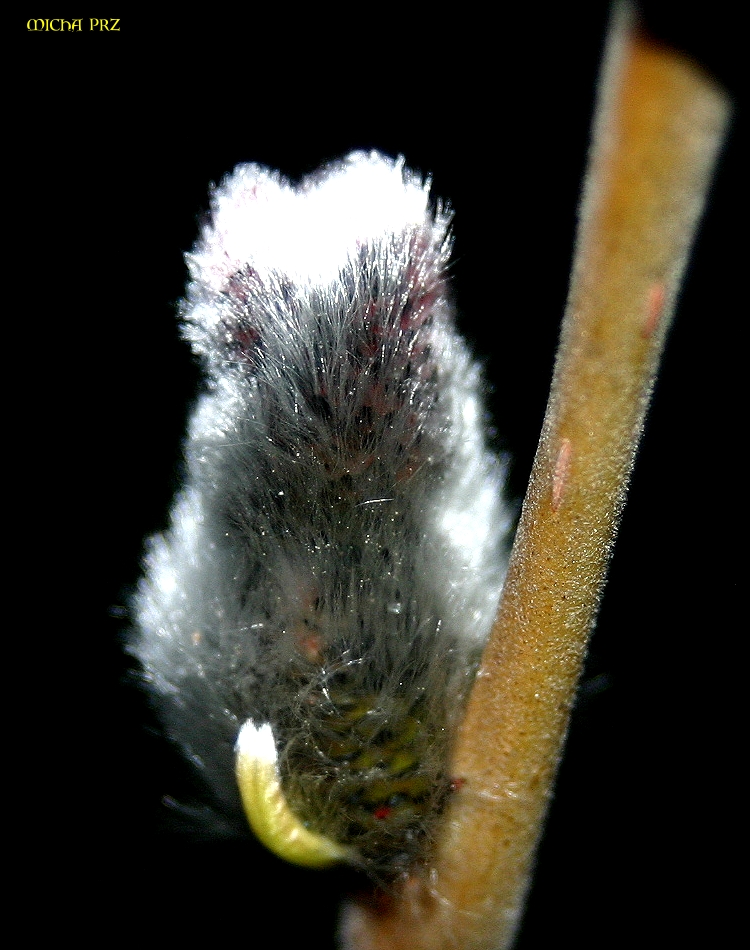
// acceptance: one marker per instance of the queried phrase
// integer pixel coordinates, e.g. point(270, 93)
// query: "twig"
point(659, 124)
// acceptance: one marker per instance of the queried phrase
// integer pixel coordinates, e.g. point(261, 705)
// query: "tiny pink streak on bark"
point(654, 308)
point(560, 474)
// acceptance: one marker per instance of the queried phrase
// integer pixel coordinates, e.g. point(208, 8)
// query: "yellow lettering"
point(58, 25)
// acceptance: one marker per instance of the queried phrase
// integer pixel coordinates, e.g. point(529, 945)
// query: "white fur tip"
point(256, 742)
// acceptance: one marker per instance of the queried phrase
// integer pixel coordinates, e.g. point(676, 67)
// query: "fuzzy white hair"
point(334, 562)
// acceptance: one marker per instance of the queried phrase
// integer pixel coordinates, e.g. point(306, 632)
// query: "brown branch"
point(658, 126)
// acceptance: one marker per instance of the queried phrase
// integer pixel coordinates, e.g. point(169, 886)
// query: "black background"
point(118, 137)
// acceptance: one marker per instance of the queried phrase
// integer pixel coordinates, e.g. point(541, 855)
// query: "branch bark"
point(658, 126)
